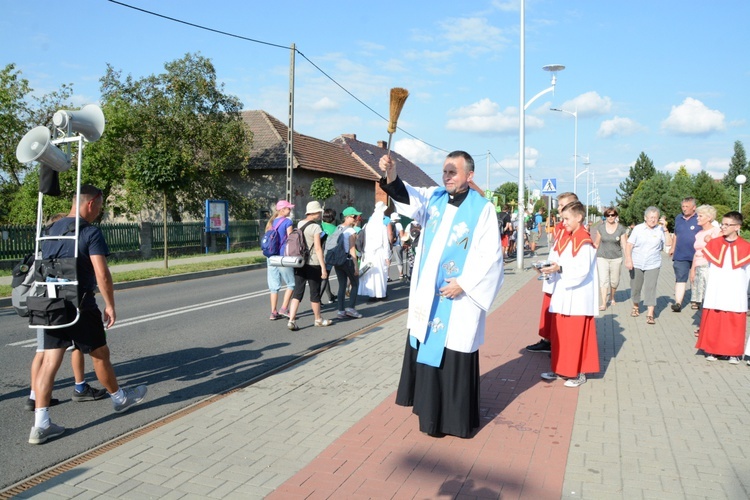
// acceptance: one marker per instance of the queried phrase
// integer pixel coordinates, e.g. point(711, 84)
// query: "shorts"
point(505, 240)
point(681, 270)
point(276, 275)
point(534, 236)
point(87, 334)
point(307, 275)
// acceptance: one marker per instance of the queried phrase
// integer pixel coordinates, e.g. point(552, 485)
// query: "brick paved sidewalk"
point(659, 421)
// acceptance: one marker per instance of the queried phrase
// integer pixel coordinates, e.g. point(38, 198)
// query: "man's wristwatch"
point(560, 269)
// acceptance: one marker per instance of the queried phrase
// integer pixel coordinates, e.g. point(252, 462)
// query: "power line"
point(501, 165)
point(240, 37)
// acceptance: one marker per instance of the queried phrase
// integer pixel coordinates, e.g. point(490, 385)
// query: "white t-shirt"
point(647, 246)
point(348, 232)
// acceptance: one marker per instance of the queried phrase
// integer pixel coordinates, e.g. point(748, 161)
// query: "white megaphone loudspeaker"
point(88, 121)
point(36, 145)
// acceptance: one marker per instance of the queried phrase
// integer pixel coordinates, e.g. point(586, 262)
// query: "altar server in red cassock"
point(548, 286)
point(723, 321)
point(574, 302)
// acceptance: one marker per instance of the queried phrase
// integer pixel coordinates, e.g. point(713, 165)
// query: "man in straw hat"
point(448, 299)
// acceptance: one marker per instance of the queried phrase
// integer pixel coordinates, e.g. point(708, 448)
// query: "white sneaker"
point(710, 357)
point(132, 398)
point(549, 376)
point(575, 382)
point(734, 360)
point(352, 313)
point(40, 435)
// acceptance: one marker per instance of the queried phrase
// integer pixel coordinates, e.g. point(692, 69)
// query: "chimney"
point(349, 136)
point(382, 144)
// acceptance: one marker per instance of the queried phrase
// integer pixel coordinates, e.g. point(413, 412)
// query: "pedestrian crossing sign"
point(549, 186)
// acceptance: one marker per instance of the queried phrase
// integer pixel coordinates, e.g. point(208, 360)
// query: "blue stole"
point(452, 261)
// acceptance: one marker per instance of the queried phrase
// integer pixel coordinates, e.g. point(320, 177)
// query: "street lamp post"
point(740, 179)
point(574, 114)
point(587, 162)
point(523, 105)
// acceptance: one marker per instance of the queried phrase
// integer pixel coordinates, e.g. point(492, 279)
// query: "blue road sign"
point(549, 186)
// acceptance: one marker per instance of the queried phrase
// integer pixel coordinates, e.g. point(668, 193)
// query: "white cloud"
point(418, 152)
point(619, 126)
point(692, 165)
point(531, 156)
point(589, 104)
point(485, 117)
point(692, 117)
point(506, 6)
point(475, 32)
point(325, 104)
point(717, 167)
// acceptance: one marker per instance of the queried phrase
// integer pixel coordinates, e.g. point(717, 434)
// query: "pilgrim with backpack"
point(304, 242)
point(281, 224)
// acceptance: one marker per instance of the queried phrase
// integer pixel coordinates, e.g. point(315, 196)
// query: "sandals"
point(602, 308)
point(635, 312)
point(323, 322)
point(697, 332)
point(694, 306)
point(650, 320)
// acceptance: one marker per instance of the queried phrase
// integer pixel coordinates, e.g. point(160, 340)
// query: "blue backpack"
point(271, 243)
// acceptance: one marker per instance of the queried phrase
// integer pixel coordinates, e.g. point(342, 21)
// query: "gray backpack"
point(23, 278)
point(334, 253)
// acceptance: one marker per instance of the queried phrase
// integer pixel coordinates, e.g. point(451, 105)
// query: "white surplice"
point(480, 279)
point(377, 252)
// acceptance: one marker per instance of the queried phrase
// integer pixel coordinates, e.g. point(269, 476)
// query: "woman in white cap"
point(312, 273)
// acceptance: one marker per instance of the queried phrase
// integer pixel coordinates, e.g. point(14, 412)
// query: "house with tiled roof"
point(313, 158)
point(370, 155)
point(352, 164)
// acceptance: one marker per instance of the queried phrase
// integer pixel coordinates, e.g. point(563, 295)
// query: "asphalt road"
point(187, 341)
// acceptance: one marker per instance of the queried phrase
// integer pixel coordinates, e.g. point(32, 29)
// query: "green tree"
point(738, 165)
point(171, 137)
point(507, 193)
point(650, 192)
point(322, 189)
point(642, 169)
point(707, 191)
point(20, 111)
point(681, 186)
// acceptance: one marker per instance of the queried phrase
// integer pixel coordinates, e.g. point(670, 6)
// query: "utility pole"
point(290, 131)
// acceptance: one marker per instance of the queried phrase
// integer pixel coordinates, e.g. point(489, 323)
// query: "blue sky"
point(666, 77)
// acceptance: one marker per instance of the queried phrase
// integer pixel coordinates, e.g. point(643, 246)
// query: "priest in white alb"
point(457, 273)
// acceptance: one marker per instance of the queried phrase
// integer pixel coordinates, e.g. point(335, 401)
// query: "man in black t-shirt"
point(88, 332)
point(503, 223)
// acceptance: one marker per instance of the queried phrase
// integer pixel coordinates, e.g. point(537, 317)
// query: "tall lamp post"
point(740, 179)
point(587, 162)
point(523, 105)
point(574, 114)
